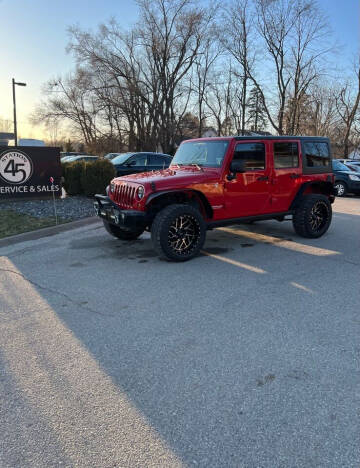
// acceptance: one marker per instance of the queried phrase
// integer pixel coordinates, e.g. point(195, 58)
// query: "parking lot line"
point(278, 242)
point(302, 287)
point(234, 262)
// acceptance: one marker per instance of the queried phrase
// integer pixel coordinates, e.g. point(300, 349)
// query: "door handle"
point(263, 178)
point(294, 176)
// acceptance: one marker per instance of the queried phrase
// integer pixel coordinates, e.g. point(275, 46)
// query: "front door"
point(249, 193)
point(286, 178)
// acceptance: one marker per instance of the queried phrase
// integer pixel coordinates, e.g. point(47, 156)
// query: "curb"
point(48, 231)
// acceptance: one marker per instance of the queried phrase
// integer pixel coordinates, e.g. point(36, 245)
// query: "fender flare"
point(207, 207)
point(304, 186)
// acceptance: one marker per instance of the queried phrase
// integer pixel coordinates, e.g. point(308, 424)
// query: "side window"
point(252, 153)
point(286, 155)
point(157, 160)
point(316, 154)
point(140, 159)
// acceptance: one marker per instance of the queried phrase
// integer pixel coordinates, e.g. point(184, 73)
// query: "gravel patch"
point(69, 208)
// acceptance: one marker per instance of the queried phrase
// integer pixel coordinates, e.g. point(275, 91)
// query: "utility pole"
point(14, 102)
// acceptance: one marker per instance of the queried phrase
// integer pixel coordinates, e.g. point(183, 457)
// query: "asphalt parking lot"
point(247, 356)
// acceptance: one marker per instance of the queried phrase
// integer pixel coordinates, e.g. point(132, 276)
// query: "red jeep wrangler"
point(220, 181)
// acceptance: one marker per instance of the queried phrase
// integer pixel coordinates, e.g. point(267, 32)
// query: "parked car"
point(66, 158)
point(111, 155)
point(215, 182)
point(132, 163)
point(83, 157)
point(65, 155)
point(346, 180)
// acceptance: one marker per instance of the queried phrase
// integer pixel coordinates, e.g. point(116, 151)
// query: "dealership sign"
point(29, 172)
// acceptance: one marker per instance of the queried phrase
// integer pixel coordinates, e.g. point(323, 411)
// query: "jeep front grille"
point(124, 195)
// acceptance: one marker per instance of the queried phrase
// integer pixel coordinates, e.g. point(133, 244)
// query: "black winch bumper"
point(129, 220)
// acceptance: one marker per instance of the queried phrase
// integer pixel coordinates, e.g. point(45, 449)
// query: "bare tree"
point(306, 57)
point(237, 37)
point(223, 101)
point(347, 105)
point(290, 31)
point(148, 66)
point(70, 99)
point(200, 82)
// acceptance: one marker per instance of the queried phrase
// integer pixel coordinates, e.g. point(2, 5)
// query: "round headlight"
point(140, 192)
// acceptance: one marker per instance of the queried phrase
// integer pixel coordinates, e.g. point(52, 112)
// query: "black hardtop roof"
point(282, 137)
point(260, 137)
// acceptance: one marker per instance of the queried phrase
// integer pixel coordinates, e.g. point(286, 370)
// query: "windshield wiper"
point(196, 165)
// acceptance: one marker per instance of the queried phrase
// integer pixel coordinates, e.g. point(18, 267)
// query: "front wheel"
point(312, 217)
point(121, 233)
point(178, 232)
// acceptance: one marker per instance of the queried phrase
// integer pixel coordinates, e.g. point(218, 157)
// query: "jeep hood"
point(173, 177)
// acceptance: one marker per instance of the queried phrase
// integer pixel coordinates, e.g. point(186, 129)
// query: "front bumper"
point(129, 220)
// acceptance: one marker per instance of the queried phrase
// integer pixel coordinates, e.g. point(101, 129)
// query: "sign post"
point(52, 185)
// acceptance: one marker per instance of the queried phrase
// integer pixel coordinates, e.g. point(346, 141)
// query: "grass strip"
point(12, 223)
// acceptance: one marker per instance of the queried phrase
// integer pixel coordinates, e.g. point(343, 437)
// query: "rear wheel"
point(178, 232)
point(121, 233)
point(312, 217)
point(341, 188)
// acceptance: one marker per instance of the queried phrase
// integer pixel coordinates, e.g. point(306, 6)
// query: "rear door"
point(286, 176)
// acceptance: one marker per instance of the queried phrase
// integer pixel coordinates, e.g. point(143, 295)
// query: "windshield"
point(121, 158)
point(353, 167)
point(201, 153)
point(338, 166)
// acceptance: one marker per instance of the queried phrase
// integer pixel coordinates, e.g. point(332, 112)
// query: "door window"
point(140, 160)
point(316, 154)
point(286, 155)
point(253, 154)
point(158, 160)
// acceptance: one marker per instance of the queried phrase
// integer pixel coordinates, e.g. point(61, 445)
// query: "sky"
point(33, 38)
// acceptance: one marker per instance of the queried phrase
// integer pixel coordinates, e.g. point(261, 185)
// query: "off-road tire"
point(308, 213)
point(121, 233)
point(166, 232)
point(341, 188)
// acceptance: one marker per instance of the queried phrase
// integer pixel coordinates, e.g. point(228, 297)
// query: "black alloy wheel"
point(184, 234)
point(178, 232)
point(313, 215)
point(318, 216)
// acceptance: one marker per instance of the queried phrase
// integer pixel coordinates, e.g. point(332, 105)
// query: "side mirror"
point(237, 165)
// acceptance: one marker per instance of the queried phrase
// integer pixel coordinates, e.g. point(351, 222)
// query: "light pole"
point(14, 101)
